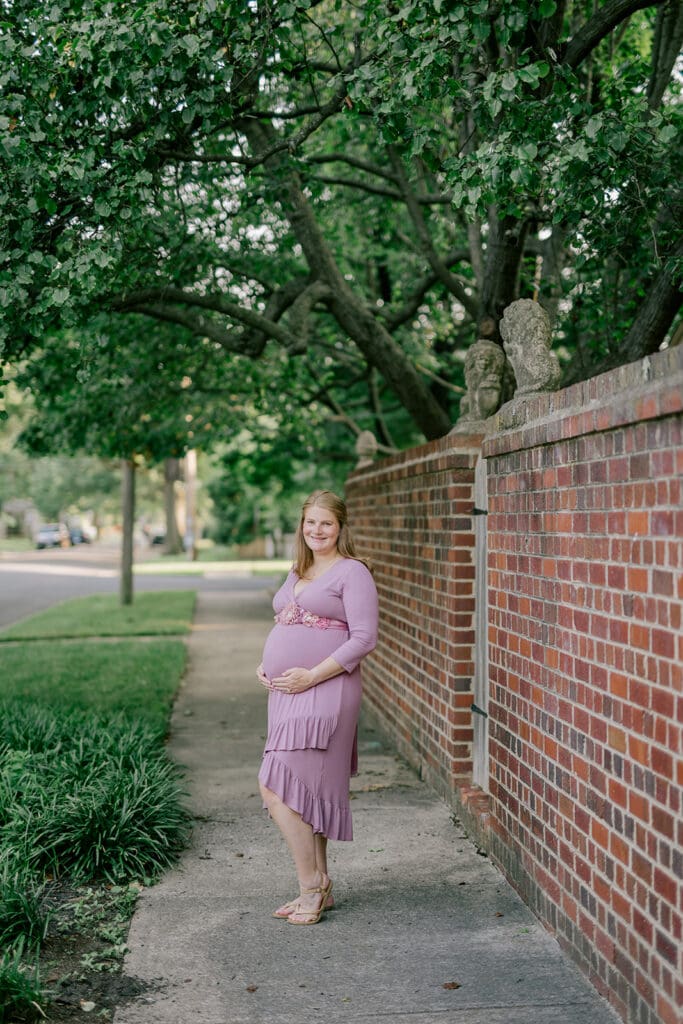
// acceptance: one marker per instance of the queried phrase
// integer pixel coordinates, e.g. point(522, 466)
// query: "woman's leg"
point(308, 853)
point(321, 863)
point(321, 853)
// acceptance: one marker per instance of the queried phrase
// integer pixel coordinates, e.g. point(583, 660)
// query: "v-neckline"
point(309, 583)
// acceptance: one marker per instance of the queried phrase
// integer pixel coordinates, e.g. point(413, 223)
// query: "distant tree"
point(104, 395)
point(57, 484)
point(261, 477)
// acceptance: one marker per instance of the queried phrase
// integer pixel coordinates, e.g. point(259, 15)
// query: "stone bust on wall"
point(525, 330)
point(487, 380)
point(366, 448)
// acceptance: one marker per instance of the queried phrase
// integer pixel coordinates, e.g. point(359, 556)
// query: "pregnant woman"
point(326, 622)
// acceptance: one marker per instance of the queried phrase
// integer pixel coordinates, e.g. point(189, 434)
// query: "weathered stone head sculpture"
point(366, 448)
point(525, 330)
point(486, 377)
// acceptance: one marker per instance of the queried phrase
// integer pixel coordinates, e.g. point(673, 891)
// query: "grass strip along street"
point(90, 805)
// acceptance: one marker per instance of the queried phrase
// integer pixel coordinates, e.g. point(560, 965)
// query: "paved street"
point(33, 580)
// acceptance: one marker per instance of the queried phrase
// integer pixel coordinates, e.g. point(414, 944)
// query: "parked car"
point(53, 535)
point(78, 535)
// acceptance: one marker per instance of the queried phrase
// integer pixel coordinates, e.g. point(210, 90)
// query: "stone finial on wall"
point(366, 448)
point(487, 377)
point(525, 330)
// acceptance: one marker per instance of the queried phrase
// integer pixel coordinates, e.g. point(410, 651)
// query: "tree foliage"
point(344, 194)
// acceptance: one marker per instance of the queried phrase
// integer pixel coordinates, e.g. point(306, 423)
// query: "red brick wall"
point(585, 560)
point(585, 533)
point(411, 516)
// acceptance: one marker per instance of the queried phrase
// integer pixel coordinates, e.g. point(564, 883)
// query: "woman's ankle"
point(317, 880)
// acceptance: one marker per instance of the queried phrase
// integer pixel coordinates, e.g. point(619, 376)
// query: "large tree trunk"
point(128, 508)
point(173, 544)
point(504, 251)
point(655, 315)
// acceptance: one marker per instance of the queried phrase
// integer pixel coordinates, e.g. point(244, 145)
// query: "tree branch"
point(376, 403)
point(292, 143)
point(376, 190)
point(413, 303)
point(286, 145)
point(301, 311)
point(163, 300)
point(665, 50)
point(202, 327)
point(352, 161)
point(328, 399)
point(600, 25)
point(440, 380)
point(449, 280)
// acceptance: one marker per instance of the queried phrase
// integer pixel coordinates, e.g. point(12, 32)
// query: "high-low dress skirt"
point(310, 750)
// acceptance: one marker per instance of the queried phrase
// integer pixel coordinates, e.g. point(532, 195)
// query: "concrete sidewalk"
point(425, 928)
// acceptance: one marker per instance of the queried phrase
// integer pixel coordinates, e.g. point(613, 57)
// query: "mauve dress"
point(310, 750)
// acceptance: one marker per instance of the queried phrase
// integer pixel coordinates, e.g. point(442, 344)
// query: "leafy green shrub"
point(20, 993)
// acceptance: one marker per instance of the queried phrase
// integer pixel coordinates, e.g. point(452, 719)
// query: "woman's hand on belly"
point(294, 680)
point(263, 678)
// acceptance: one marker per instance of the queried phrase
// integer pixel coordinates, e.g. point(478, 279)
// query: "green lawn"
point(179, 565)
point(165, 612)
point(16, 544)
point(135, 677)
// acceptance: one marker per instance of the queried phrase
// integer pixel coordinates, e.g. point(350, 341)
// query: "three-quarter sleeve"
point(359, 597)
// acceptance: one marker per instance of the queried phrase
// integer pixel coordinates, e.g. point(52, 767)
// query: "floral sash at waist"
point(294, 615)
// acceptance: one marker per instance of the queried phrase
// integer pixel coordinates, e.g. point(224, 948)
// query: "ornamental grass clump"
point(121, 821)
point(20, 992)
point(24, 917)
point(87, 796)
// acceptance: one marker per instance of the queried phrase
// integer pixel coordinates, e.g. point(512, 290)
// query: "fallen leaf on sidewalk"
point(451, 984)
point(252, 988)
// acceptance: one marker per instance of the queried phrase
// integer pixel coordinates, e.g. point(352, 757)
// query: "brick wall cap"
point(647, 389)
point(449, 445)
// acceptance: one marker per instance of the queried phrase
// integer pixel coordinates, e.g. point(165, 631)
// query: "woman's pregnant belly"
point(299, 647)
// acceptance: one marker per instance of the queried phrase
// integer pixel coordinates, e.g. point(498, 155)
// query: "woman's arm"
point(359, 596)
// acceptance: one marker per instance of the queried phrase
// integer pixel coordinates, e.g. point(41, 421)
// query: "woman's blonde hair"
point(303, 556)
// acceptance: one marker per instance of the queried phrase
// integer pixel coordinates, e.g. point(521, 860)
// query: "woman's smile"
point(321, 530)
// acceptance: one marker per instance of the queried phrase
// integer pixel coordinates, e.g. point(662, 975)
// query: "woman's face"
point(321, 530)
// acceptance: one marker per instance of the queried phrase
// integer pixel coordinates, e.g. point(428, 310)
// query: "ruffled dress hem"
point(325, 818)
